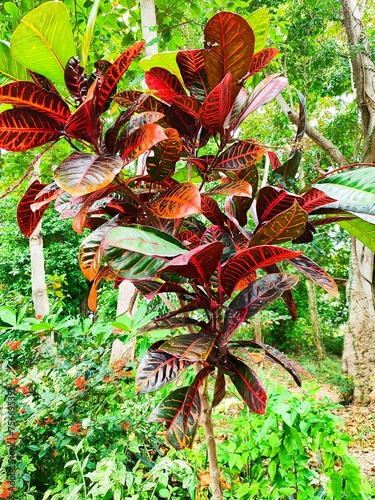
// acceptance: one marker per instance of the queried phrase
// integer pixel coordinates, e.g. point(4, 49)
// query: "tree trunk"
point(148, 21)
point(38, 280)
point(359, 347)
point(311, 292)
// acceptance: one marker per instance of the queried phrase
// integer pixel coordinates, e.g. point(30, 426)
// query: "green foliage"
point(65, 280)
point(82, 431)
point(83, 434)
point(297, 451)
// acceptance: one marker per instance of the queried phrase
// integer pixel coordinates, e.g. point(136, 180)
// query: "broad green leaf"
point(147, 241)
point(166, 60)
point(355, 186)
point(7, 315)
point(260, 22)
point(43, 42)
point(364, 231)
point(11, 69)
point(132, 265)
point(83, 50)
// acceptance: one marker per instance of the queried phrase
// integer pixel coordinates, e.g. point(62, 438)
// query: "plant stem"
point(209, 433)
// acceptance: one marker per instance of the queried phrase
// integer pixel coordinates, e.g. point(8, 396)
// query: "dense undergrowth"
point(82, 433)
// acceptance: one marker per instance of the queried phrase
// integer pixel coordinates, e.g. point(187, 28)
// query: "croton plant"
point(188, 219)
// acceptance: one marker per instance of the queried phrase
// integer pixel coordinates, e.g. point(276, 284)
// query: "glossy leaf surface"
point(83, 173)
point(115, 72)
point(261, 59)
point(191, 347)
point(83, 124)
point(132, 265)
point(140, 141)
point(355, 186)
point(315, 273)
point(157, 369)
point(163, 84)
point(364, 231)
point(248, 385)
point(145, 240)
point(190, 62)
point(272, 201)
point(232, 188)
point(28, 219)
point(256, 297)
point(197, 264)
point(11, 69)
point(76, 80)
point(245, 262)
point(240, 155)
point(165, 155)
point(315, 198)
point(285, 226)
point(216, 106)
point(90, 252)
point(170, 412)
point(229, 47)
point(180, 201)
point(23, 129)
point(32, 96)
point(36, 42)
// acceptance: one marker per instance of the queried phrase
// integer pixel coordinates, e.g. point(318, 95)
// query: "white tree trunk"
point(148, 21)
point(38, 279)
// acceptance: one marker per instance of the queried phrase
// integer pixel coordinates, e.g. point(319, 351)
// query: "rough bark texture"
point(311, 292)
point(209, 434)
point(359, 348)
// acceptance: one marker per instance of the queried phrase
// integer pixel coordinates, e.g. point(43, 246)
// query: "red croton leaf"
point(232, 188)
point(191, 346)
point(140, 141)
point(211, 210)
point(229, 47)
point(157, 369)
point(315, 273)
point(240, 155)
point(241, 265)
point(248, 385)
point(22, 129)
point(217, 105)
point(272, 201)
point(115, 72)
point(197, 264)
point(180, 201)
point(76, 80)
point(165, 156)
point(285, 226)
point(314, 198)
point(30, 95)
point(164, 84)
point(188, 104)
point(83, 173)
point(189, 62)
point(105, 273)
point(84, 123)
point(261, 59)
point(26, 217)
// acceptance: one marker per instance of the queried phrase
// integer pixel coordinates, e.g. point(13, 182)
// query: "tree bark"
point(148, 21)
point(311, 291)
point(359, 347)
point(38, 279)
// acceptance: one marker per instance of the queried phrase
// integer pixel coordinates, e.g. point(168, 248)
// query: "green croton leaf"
point(364, 231)
point(354, 186)
point(43, 41)
point(144, 240)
